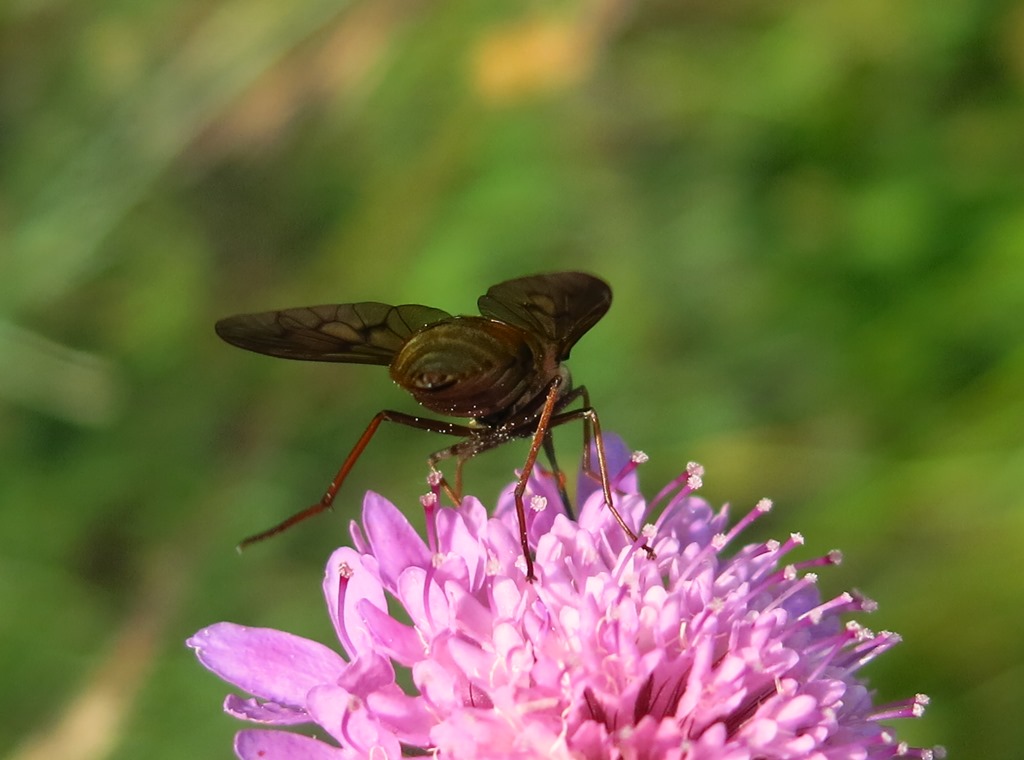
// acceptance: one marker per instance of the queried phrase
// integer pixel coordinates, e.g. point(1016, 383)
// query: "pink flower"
point(702, 652)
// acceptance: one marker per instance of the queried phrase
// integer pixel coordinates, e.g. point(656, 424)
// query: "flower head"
point(704, 651)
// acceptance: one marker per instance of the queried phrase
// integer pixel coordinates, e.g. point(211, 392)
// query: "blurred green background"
point(811, 214)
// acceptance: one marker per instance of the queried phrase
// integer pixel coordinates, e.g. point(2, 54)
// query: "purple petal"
point(456, 537)
point(348, 585)
point(596, 518)
point(425, 603)
point(504, 544)
point(537, 522)
point(395, 543)
point(408, 717)
point(254, 744)
point(349, 721)
point(473, 661)
point(506, 598)
point(359, 542)
point(392, 638)
point(470, 613)
point(269, 713)
point(267, 663)
point(617, 455)
point(367, 674)
point(474, 514)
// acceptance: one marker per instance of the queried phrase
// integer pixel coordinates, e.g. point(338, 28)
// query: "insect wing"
point(560, 307)
point(354, 333)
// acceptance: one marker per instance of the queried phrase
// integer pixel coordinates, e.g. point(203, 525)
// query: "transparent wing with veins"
point(352, 333)
point(560, 307)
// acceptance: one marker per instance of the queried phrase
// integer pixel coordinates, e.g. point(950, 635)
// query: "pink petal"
point(267, 663)
point(348, 583)
point(760, 732)
point(798, 711)
point(395, 543)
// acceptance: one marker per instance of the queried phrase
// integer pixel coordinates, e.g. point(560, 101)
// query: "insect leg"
point(589, 416)
point(541, 433)
point(549, 450)
point(386, 415)
point(580, 392)
point(458, 478)
point(462, 451)
point(588, 433)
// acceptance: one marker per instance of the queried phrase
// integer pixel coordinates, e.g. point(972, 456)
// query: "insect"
point(502, 370)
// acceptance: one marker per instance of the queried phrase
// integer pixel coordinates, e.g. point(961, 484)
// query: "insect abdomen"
point(466, 366)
